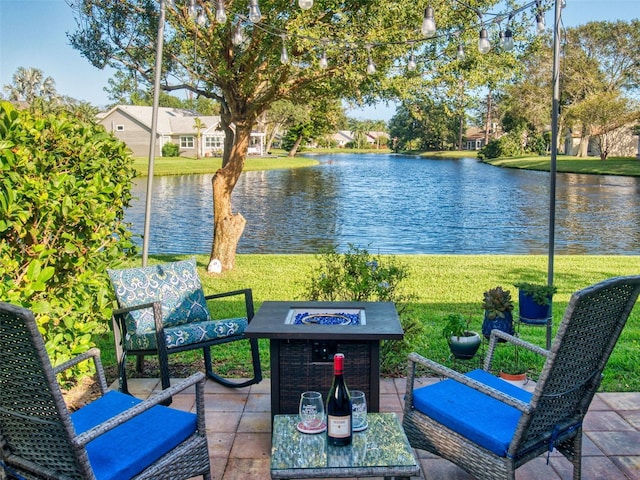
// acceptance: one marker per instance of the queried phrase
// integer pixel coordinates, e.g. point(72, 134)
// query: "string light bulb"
point(428, 23)
point(221, 14)
point(201, 18)
point(460, 52)
point(412, 65)
point(193, 11)
point(284, 55)
point(371, 67)
point(507, 44)
point(540, 26)
point(238, 35)
point(483, 42)
point(254, 11)
point(305, 4)
point(323, 63)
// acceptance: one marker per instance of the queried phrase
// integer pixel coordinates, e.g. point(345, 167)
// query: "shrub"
point(509, 145)
point(65, 185)
point(170, 150)
point(358, 276)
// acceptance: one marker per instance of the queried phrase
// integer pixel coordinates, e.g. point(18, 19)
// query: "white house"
point(132, 125)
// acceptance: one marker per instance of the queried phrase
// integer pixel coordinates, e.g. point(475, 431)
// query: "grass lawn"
point(628, 166)
point(441, 284)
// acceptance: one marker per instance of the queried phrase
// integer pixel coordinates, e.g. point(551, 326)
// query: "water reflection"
point(399, 204)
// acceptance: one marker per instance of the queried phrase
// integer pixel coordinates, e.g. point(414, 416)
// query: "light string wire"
point(242, 21)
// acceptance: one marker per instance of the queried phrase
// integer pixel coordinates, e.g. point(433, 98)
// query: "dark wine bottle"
point(339, 406)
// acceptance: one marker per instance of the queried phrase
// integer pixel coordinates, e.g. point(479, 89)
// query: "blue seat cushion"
point(176, 285)
point(131, 447)
point(188, 334)
point(472, 414)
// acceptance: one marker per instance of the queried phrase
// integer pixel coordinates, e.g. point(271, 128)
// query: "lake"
point(398, 204)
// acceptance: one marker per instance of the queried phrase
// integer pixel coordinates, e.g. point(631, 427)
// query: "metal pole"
point(555, 107)
point(154, 131)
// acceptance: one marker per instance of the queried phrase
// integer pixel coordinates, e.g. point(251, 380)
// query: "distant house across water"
point(132, 125)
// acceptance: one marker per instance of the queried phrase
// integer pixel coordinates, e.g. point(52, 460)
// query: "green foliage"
point(358, 276)
point(497, 301)
point(456, 325)
point(541, 293)
point(65, 185)
point(509, 145)
point(170, 149)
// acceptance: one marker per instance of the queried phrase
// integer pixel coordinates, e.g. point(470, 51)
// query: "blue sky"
point(33, 34)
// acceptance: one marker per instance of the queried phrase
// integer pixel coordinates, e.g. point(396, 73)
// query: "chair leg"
point(139, 363)
point(255, 360)
point(122, 370)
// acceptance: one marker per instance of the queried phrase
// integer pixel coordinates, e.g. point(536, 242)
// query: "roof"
point(170, 120)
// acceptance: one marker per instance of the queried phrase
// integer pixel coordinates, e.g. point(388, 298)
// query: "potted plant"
point(511, 369)
point(498, 307)
point(535, 302)
point(463, 342)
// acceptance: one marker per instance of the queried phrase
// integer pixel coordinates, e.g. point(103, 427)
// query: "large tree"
point(248, 63)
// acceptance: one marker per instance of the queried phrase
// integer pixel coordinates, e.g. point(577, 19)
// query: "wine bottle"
point(339, 406)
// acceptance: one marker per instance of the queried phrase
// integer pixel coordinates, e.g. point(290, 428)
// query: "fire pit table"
point(304, 336)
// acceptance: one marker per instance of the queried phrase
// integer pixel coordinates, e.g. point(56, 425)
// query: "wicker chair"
point(114, 437)
point(489, 427)
point(163, 310)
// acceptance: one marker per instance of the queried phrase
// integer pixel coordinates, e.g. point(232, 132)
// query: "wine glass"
point(311, 411)
point(359, 408)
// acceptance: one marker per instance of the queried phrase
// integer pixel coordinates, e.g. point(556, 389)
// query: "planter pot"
point(464, 348)
point(531, 312)
point(505, 324)
point(518, 379)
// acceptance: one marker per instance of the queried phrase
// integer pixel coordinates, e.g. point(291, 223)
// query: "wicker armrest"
point(92, 353)
point(197, 379)
point(499, 334)
point(415, 358)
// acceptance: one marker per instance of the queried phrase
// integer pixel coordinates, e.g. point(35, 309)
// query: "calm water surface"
point(401, 205)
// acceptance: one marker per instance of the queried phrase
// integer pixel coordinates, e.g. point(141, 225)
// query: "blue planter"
point(531, 312)
point(505, 324)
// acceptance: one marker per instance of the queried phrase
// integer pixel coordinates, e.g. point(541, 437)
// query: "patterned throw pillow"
point(176, 285)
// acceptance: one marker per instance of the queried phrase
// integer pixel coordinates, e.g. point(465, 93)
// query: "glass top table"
point(382, 450)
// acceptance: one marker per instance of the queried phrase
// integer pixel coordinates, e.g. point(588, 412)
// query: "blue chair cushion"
point(131, 447)
point(175, 284)
point(472, 414)
point(188, 334)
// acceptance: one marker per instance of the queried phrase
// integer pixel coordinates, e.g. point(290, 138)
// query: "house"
point(375, 139)
point(624, 143)
point(342, 138)
point(474, 138)
point(132, 125)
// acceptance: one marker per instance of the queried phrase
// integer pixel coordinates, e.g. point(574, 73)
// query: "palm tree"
point(29, 84)
point(199, 126)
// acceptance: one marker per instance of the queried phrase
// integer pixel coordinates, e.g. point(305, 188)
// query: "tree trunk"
point(296, 146)
point(227, 226)
point(583, 149)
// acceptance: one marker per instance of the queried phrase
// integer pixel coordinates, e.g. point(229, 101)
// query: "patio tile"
point(622, 401)
point(258, 402)
point(387, 386)
point(225, 402)
point(598, 404)
point(251, 445)
point(439, 469)
point(633, 417)
point(222, 422)
point(255, 422)
point(630, 465)
point(220, 444)
point(605, 421)
point(215, 387)
point(617, 443)
point(593, 468)
point(247, 468)
point(390, 403)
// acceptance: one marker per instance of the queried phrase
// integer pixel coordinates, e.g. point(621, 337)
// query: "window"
point(119, 128)
point(214, 143)
point(186, 142)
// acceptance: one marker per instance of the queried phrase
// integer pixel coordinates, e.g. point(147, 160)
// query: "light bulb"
point(428, 23)
point(508, 40)
point(412, 63)
point(201, 19)
point(460, 53)
point(284, 55)
point(305, 4)
point(221, 14)
point(323, 60)
point(254, 11)
point(238, 35)
point(563, 3)
point(371, 67)
point(193, 11)
point(540, 23)
point(483, 42)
